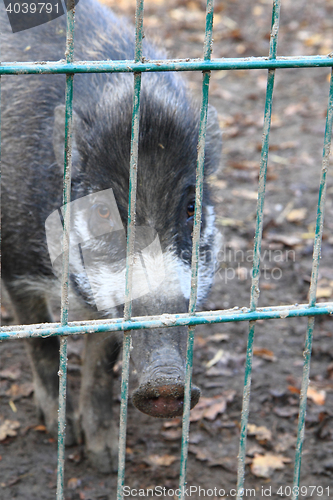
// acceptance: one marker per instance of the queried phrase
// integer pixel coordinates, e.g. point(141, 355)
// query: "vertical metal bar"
point(0, 195)
point(130, 248)
point(196, 246)
point(257, 248)
point(312, 293)
point(65, 252)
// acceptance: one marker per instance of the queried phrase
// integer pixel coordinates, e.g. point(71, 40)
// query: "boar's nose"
point(163, 398)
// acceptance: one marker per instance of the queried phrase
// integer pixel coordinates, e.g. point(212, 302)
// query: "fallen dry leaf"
point(175, 422)
point(8, 429)
point(219, 372)
point(244, 165)
point(286, 411)
point(73, 483)
point(292, 109)
point(12, 406)
point(17, 391)
point(11, 373)
point(218, 337)
point(287, 240)
point(308, 236)
point(200, 453)
point(330, 371)
point(318, 397)
point(209, 408)
point(297, 215)
point(172, 434)
point(227, 221)
point(268, 286)
point(242, 273)
point(76, 457)
point(216, 358)
point(324, 292)
point(40, 428)
point(245, 193)
point(5, 314)
point(161, 460)
point(293, 389)
point(285, 441)
point(261, 433)
point(264, 465)
point(205, 455)
point(261, 352)
point(281, 160)
point(218, 183)
point(254, 450)
point(200, 341)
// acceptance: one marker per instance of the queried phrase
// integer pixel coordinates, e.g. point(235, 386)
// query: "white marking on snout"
point(107, 279)
point(210, 229)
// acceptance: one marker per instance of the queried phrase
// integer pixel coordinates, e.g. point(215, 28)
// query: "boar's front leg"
point(44, 356)
point(97, 422)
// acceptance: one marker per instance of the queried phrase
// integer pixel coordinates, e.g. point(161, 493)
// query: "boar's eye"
point(100, 220)
point(103, 211)
point(190, 209)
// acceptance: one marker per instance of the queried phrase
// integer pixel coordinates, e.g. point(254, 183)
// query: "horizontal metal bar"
point(165, 321)
point(20, 68)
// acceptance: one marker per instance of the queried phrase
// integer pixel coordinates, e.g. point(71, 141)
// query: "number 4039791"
point(304, 491)
point(32, 8)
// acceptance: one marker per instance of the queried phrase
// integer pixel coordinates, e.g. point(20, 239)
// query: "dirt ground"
point(28, 459)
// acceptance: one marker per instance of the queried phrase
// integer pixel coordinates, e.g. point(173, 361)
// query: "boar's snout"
point(163, 398)
point(159, 358)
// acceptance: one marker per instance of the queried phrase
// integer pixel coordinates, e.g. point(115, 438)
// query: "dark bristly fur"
point(32, 158)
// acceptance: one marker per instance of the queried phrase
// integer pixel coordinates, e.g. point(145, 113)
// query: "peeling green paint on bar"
point(312, 293)
point(0, 189)
point(236, 63)
point(130, 248)
point(196, 246)
point(165, 321)
point(257, 249)
point(65, 253)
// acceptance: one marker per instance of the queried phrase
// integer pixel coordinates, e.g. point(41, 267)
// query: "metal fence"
point(192, 318)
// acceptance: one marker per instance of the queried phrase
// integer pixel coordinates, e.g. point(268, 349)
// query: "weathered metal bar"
point(0, 191)
point(164, 321)
point(196, 246)
point(257, 249)
point(130, 248)
point(312, 293)
point(65, 251)
point(20, 68)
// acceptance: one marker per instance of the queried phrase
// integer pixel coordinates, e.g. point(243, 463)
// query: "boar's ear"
point(59, 138)
point(213, 140)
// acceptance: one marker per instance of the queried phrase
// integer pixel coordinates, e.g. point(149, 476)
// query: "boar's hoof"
point(163, 398)
point(105, 461)
point(47, 412)
point(102, 447)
